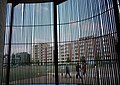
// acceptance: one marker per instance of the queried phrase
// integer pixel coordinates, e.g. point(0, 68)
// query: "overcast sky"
point(33, 23)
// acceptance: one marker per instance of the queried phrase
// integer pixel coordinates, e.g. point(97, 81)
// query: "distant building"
point(65, 52)
point(88, 47)
point(22, 58)
point(76, 49)
point(50, 54)
point(42, 53)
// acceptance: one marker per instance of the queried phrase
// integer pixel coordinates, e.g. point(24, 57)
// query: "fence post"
point(10, 39)
point(55, 43)
point(3, 4)
point(117, 22)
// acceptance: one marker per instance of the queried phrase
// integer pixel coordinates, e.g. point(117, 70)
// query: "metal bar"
point(30, 1)
point(116, 14)
point(37, 1)
point(55, 43)
point(65, 23)
point(9, 49)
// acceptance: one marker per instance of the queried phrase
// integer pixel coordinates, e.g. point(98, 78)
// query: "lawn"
point(24, 72)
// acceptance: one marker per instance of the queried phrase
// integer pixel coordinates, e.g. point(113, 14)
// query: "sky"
point(33, 23)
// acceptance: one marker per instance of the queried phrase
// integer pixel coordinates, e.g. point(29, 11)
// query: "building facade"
point(22, 58)
point(42, 53)
point(89, 48)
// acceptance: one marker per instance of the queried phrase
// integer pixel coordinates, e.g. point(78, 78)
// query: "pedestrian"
point(62, 71)
point(78, 70)
point(84, 69)
point(67, 72)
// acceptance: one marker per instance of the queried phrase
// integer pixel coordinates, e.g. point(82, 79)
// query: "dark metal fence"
point(102, 74)
point(86, 36)
point(99, 70)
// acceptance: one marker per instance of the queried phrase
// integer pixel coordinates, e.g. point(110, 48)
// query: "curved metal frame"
point(14, 3)
point(56, 2)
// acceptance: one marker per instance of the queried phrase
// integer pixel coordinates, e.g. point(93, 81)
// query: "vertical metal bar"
point(78, 51)
point(9, 49)
point(55, 43)
point(116, 14)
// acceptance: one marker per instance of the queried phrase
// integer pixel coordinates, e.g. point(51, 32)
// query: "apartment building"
point(42, 53)
point(50, 54)
point(76, 49)
point(88, 47)
point(109, 45)
point(65, 51)
point(22, 58)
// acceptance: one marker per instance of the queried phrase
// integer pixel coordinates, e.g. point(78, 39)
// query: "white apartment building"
point(42, 53)
point(88, 47)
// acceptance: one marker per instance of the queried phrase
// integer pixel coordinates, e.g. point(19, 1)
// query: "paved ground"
point(89, 79)
point(51, 79)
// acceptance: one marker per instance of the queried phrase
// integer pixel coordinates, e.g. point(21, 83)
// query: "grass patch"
point(24, 72)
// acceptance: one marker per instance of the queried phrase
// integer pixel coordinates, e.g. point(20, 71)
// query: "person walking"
point(78, 71)
point(67, 72)
point(84, 69)
point(62, 71)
